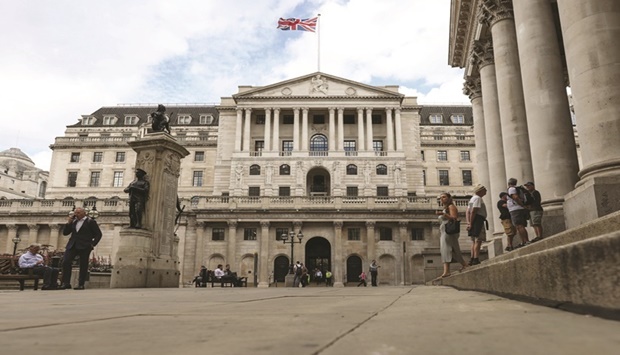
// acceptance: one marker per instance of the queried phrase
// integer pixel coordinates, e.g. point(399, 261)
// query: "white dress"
point(449, 243)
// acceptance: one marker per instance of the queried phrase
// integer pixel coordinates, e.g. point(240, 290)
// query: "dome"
point(16, 153)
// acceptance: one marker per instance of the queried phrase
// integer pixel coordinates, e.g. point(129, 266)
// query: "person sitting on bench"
point(33, 260)
point(231, 276)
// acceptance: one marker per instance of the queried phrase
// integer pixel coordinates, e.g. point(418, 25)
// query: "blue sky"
point(65, 58)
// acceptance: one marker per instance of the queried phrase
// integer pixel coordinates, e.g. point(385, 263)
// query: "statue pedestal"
point(148, 257)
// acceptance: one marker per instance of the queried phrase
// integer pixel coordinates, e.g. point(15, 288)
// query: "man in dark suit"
point(85, 234)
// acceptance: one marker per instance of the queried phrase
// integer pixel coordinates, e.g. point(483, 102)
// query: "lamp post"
point(289, 238)
point(16, 241)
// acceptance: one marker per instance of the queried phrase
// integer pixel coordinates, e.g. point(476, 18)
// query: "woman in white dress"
point(449, 243)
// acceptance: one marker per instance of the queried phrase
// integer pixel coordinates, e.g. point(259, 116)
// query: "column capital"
point(297, 224)
point(493, 11)
point(360, 110)
point(305, 109)
point(33, 226)
point(389, 109)
point(338, 224)
point(232, 224)
point(332, 109)
point(472, 87)
point(239, 110)
point(13, 227)
point(370, 224)
point(368, 109)
point(482, 53)
point(276, 110)
point(268, 109)
point(403, 224)
point(340, 109)
point(264, 224)
point(248, 110)
point(397, 110)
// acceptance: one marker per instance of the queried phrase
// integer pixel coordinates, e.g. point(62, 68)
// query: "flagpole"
point(318, 32)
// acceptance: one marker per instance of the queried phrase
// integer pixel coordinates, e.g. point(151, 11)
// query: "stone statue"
point(239, 174)
point(319, 84)
point(268, 174)
point(397, 171)
point(160, 122)
point(367, 174)
point(138, 192)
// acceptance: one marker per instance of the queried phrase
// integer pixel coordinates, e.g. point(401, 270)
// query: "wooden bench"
point(226, 282)
point(10, 271)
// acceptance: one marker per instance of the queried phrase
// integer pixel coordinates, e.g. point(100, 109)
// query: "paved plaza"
point(316, 320)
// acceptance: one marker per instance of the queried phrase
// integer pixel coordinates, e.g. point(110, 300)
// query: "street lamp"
point(16, 241)
point(289, 238)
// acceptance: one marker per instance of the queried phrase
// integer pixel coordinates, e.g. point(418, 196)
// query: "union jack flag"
point(296, 24)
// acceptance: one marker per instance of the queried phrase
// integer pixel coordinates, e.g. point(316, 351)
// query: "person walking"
point(85, 235)
point(362, 279)
point(374, 268)
point(476, 222)
point(536, 211)
point(449, 243)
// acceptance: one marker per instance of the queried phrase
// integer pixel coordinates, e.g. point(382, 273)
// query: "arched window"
point(351, 169)
point(194, 201)
point(381, 169)
point(285, 169)
point(42, 189)
point(255, 169)
point(318, 143)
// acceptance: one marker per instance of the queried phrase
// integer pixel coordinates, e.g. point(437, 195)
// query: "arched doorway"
point(318, 254)
point(318, 182)
point(280, 268)
point(354, 268)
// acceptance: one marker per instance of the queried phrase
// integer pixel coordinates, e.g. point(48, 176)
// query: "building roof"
point(143, 112)
point(446, 112)
point(16, 153)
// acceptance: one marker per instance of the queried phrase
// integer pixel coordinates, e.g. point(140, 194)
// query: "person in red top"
point(362, 279)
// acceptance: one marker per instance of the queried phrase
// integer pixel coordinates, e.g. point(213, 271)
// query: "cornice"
point(460, 31)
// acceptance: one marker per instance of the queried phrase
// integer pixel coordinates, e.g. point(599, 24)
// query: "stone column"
point(12, 233)
point(338, 274)
point(304, 128)
point(590, 32)
point(554, 154)
point(400, 257)
point(332, 129)
point(296, 129)
point(390, 129)
point(492, 127)
point(516, 141)
point(33, 233)
point(231, 252)
point(276, 130)
point(263, 261)
point(246, 130)
point(195, 230)
point(238, 130)
point(399, 130)
point(370, 240)
point(55, 233)
point(267, 147)
point(369, 135)
point(360, 130)
point(340, 129)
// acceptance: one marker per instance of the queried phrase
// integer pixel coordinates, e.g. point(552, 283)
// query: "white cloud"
point(70, 57)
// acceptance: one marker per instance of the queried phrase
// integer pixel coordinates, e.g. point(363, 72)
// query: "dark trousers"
point(50, 275)
point(373, 278)
point(362, 282)
point(70, 254)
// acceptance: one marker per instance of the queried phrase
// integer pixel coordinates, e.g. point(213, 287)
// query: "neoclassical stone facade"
point(519, 57)
point(356, 168)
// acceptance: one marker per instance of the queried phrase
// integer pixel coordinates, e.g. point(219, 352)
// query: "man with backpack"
point(519, 214)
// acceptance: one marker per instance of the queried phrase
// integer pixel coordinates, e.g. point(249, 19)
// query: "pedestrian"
point(374, 268)
point(518, 213)
point(85, 234)
point(536, 211)
point(504, 216)
point(304, 276)
point(476, 222)
point(328, 278)
point(449, 243)
point(362, 279)
point(33, 260)
point(297, 272)
point(318, 276)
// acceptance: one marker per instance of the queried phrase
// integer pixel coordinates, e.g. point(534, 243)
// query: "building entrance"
point(318, 255)
point(280, 268)
point(354, 268)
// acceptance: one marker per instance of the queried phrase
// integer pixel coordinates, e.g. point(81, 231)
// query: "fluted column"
point(338, 267)
point(296, 129)
point(238, 130)
point(499, 16)
point(370, 240)
point(276, 130)
point(340, 129)
point(231, 254)
point(332, 129)
point(33, 233)
point(369, 135)
point(246, 130)
point(399, 130)
point(360, 130)
point(263, 262)
point(304, 128)
point(400, 252)
point(390, 129)
point(267, 130)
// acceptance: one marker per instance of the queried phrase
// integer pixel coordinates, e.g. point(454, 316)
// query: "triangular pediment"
point(316, 85)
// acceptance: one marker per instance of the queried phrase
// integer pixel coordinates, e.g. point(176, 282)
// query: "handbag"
point(453, 227)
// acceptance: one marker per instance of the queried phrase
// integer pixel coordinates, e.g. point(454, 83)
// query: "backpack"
point(525, 195)
point(297, 270)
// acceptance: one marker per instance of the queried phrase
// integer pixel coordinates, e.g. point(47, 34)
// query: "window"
point(131, 120)
point(424, 177)
point(318, 119)
point(184, 119)
point(199, 156)
point(206, 119)
point(467, 180)
point(382, 191)
point(352, 191)
point(88, 121)
point(287, 119)
point(75, 158)
point(97, 157)
point(255, 169)
point(318, 142)
point(381, 169)
point(422, 155)
point(217, 234)
point(254, 191)
point(376, 119)
point(458, 118)
point(435, 118)
point(259, 146)
point(465, 155)
point(349, 119)
point(94, 178)
point(442, 155)
point(351, 169)
point(108, 120)
point(280, 231)
point(417, 233)
point(285, 169)
point(260, 119)
point(284, 191)
point(353, 233)
point(444, 179)
point(197, 179)
point(377, 146)
point(120, 157)
point(385, 233)
point(117, 180)
point(350, 146)
point(287, 146)
point(72, 178)
point(249, 234)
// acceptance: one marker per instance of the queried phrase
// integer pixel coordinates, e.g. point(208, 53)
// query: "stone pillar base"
point(288, 280)
point(263, 284)
point(162, 271)
point(338, 284)
point(495, 247)
point(131, 265)
point(594, 198)
point(553, 221)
